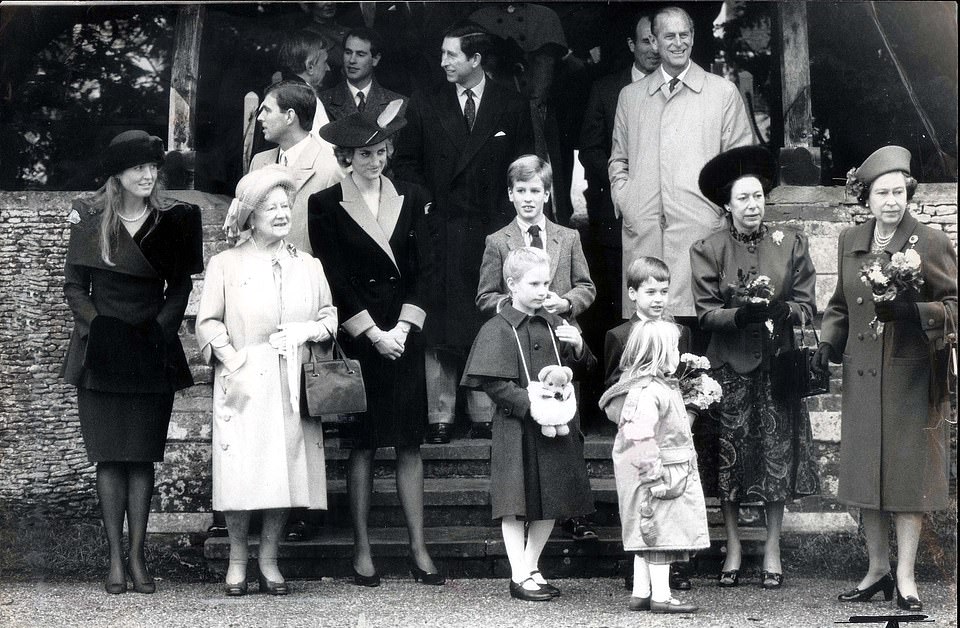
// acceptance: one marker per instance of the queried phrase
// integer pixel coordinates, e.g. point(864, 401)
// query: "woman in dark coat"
point(365, 232)
point(766, 443)
point(127, 280)
point(894, 441)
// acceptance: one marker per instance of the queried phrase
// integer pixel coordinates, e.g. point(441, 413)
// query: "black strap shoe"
point(439, 433)
point(517, 592)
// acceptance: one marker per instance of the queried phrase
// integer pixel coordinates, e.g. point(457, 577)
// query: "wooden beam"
point(182, 126)
point(799, 159)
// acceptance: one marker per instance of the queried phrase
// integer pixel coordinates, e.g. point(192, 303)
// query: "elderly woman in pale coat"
point(262, 301)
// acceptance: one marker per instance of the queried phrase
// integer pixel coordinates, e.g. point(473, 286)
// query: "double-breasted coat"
point(378, 269)
point(466, 173)
point(532, 476)
point(127, 316)
point(264, 454)
point(569, 274)
point(659, 145)
point(894, 440)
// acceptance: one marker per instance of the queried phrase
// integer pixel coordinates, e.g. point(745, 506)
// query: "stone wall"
point(43, 466)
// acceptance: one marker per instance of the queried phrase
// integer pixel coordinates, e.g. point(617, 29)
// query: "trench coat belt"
point(673, 455)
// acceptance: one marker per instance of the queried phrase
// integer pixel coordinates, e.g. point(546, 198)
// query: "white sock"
point(659, 582)
point(641, 577)
point(513, 542)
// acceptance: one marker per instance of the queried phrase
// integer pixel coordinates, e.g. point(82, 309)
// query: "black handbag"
point(792, 375)
point(333, 386)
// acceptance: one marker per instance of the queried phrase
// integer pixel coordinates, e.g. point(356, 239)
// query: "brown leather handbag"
point(333, 386)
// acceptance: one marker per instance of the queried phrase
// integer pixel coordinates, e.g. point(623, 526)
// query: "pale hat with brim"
point(733, 164)
point(364, 129)
point(881, 161)
point(252, 189)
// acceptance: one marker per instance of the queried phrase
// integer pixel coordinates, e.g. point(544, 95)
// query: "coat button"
point(752, 248)
point(226, 417)
point(859, 300)
point(931, 322)
point(859, 371)
point(393, 280)
point(873, 372)
point(756, 354)
point(224, 446)
point(875, 336)
point(372, 282)
point(755, 334)
point(506, 411)
point(860, 336)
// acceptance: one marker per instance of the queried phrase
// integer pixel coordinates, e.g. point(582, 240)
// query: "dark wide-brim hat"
point(881, 161)
point(131, 148)
point(364, 129)
point(733, 164)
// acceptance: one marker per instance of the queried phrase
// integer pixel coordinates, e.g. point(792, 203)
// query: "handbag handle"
point(338, 353)
point(523, 360)
point(803, 325)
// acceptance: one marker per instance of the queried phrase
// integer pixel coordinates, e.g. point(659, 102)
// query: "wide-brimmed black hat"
point(730, 165)
point(131, 148)
point(364, 129)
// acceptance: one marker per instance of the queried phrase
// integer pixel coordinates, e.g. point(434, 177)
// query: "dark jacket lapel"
point(352, 203)
point(451, 116)
point(488, 115)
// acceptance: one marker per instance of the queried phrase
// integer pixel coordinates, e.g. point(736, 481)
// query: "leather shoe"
point(438, 433)
point(771, 580)
point(481, 430)
point(639, 603)
point(536, 595)
point(365, 581)
point(678, 581)
point(235, 590)
point(546, 586)
point(910, 603)
point(273, 588)
point(886, 584)
point(673, 605)
point(217, 530)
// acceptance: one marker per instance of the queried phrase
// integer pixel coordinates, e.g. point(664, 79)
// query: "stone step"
point(478, 551)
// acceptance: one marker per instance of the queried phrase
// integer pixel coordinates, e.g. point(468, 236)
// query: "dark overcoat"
point(134, 347)
point(466, 172)
point(532, 476)
point(377, 271)
point(894, 447)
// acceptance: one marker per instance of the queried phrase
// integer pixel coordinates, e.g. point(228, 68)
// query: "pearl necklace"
point(879, 244)
point(137, 218)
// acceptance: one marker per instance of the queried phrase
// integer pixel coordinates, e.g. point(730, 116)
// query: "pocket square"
point(500, 134)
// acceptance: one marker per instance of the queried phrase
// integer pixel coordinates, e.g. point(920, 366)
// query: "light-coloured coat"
point(315, 169)
point(660, 143)
point(264, 454)
point(654, 444)
point(894, 440)
point(569, 274)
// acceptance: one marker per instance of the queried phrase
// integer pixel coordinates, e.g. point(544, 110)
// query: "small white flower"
point(877, 277)
point(777, 237)
point(912, 258)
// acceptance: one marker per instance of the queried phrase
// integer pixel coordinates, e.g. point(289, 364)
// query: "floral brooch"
point(777, 237)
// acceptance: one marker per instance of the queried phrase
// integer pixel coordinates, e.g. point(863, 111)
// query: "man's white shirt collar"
point(354, 91)
point(525, 226)
point(293, 153)
point(667, 78)
point(477, 92)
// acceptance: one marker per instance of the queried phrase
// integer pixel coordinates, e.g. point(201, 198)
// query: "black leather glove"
point(778, 312)
point(749, 313)
point(821, 359)
point(896, 311)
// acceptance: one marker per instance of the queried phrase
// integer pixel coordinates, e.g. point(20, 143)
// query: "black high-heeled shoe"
point(115, 588)
point(729, 579)
point(365, 581)
point(147, 586)
point(273, 588)
point(419, 575)
point(235, 590)
point(910, 603)
point(886, 584)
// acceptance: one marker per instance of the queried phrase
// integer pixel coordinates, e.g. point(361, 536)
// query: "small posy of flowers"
point(696, 387)
point(753, 288)
point(890, 280)
point(777, 237)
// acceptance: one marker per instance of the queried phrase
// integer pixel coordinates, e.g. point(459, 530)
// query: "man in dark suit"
point(458, 143)
point(359, 91)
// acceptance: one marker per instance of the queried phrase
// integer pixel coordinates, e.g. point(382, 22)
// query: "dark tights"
point(125, 489)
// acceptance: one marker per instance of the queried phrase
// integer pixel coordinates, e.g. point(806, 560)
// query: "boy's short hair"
point(644, 268)
point(519, 261)
point(527, 167)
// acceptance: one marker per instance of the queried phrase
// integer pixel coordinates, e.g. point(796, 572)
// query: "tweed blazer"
point(569, 275)
point(340, 102)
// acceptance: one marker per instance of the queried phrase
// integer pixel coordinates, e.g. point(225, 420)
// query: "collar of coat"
point(306, 165)
point(862, 235)
point(340, 96)
point(515, 317)
point(694, 79)
point(381, 227)
point(515, 240)
point(484, 127)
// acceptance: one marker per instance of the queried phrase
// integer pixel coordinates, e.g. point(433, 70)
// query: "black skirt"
point(124, 427)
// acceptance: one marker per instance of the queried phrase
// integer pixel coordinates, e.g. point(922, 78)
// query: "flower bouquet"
point(696, 387)
point(754, 289)
point(890, 280)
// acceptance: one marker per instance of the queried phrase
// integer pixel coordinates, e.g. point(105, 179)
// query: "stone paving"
point(328, 603)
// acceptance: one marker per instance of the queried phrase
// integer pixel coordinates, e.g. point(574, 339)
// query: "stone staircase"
point(465, 542)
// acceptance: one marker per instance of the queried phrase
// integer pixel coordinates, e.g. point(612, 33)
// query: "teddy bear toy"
point(552, 402)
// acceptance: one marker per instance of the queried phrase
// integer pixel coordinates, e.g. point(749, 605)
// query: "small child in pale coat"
point(662, 510)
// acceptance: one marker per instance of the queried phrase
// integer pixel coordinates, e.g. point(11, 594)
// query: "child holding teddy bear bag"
point(536, 476)
point(662, 510)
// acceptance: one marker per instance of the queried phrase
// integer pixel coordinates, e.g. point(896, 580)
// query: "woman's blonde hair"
point(648, 348)
point(109, 197)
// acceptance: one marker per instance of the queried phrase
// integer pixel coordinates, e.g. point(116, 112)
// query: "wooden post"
point(182, 126)
point(799, 159)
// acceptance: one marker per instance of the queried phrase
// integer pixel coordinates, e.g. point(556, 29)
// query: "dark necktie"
point(673, 83)
point(361, 102)
point(535, 240)
point(470, 110)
